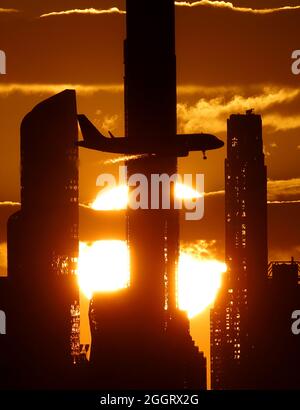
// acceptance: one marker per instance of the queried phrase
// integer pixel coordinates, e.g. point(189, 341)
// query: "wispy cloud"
point(9, 203)
point(281, 122)
point(286, 191)
point(201, 248)
point(230, 6)
point(214, 193)
point(207, 91)
point(109, 123)
point(89, 11)
point(87, 89)
point(287, 188)
point(211, 112)
point(296, 201)
point(202, 3)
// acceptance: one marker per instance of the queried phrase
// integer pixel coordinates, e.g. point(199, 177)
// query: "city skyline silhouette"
point(137, 337)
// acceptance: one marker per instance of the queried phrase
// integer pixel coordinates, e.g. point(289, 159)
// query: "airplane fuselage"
point(181, 144)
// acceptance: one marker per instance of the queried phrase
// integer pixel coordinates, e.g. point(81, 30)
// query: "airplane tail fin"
point(91, 135)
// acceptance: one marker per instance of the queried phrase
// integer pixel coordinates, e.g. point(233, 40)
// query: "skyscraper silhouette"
point(140, 339)
point(278, 351)
point(150, 112)
point(43, 249)
point(236, 320)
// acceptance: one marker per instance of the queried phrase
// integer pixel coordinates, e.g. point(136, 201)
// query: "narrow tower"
point(150, 112)
point(235, 320)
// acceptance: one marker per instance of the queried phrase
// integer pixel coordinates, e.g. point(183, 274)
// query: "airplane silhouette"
point(182, 144)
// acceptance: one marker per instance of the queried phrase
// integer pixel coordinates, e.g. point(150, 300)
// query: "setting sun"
point(198, 282)
point(113, 200)
point(104, 267)
point(117, 198)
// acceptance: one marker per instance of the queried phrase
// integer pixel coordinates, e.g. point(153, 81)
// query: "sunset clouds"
point(203, 3)
point(289, 189)
point(283, 191)
point(2, 10)
point(82, 89)
point(230, 6)
point(89, 11)
point(211, 112)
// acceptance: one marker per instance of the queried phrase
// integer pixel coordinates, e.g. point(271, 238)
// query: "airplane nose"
point(219, 143)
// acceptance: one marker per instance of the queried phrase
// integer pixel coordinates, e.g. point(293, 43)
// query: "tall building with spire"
point(236, 319)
